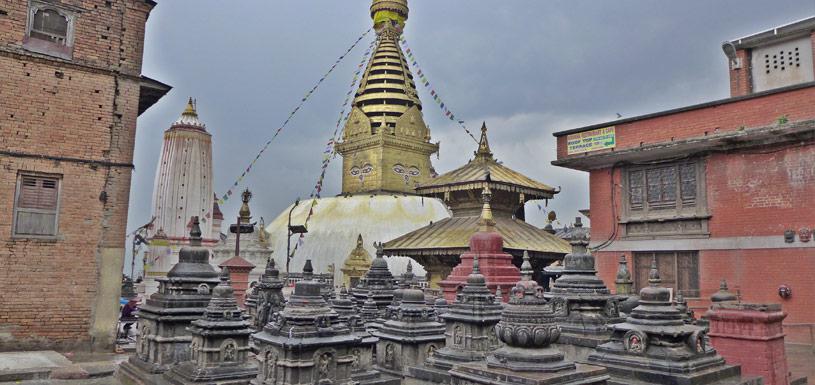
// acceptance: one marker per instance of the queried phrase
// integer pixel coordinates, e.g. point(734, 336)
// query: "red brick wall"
point(71, 109)
point(741, 82)
point(749, 194)
point(756, 112)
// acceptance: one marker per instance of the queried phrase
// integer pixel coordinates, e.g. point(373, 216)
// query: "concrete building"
point(717, 190)
point(72, 88)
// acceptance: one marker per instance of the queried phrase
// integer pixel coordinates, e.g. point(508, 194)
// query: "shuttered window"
point(678, 270)
point(36, 207)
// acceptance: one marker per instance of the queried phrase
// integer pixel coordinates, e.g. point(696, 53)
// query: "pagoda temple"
point(437, 246)
point(385, 148)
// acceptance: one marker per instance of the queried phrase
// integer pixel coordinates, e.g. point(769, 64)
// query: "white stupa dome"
point(337, 221)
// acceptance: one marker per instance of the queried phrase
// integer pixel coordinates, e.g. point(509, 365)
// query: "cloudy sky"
point(526, 67)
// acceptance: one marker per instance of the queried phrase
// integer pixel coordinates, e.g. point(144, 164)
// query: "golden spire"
point(486, 222)
point(483, 152)
point(190, 110)
point(244, 212)
point(389, 13)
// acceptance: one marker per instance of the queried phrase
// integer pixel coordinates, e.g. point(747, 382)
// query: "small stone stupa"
point(655, 346)
point(410, 337)
point(270, 298)
point(470, 335)
point(528, 329)
point(306, 343)
point(624, 287)
point(488, 244)
point(379, 281)
point(589, 303)
point(219, 352)
point(182, 297)
point(356, 265)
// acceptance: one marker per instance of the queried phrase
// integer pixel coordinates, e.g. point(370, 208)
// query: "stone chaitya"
point(269, 294)
point(470, 335)
point(182, 297)
point(379, 281)
point(528, 329)
point(655, 346)
point(624, 287)
point(412, 335)
point(307, 343)
point(219, 352)
point(589, 303)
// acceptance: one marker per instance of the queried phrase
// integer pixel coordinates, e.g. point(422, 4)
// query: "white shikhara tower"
point(182, 189)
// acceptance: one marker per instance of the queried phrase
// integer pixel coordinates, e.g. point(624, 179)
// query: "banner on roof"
point(587, 141)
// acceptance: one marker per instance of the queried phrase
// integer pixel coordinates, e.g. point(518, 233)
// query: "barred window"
point(48, 24)
point(662, 187)
point(36, 206)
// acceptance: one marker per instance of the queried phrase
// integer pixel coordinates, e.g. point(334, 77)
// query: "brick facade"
point(75, 119)
point(758, 157)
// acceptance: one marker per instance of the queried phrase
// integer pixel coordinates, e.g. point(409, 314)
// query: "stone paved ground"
point(801, 361)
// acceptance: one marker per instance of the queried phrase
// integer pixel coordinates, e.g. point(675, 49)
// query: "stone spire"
point(220, 343)
point(270, 298)
point(379, 281)
point(470, 336)
point(307, 330)
point(409, 337)
point(183, 296)
point(387, 109)
point(590, 306)
point(656, 333)
point(623, 281)
point(724, 294)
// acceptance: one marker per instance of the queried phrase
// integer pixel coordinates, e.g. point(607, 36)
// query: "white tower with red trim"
point(182, 189)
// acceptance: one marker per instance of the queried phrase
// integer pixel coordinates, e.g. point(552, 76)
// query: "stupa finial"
point(308, 271)
point(483, 152)
point(190, 110)
point(653, 276)
point(195, 231)
point(526, 267)
point(487, 223)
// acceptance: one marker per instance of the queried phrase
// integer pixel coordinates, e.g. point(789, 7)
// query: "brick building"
point(717, 190)
point(70, 92)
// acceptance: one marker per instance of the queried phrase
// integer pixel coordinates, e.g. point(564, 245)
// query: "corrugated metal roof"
point(453, 234)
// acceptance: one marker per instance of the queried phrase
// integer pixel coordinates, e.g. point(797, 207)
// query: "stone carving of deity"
point(229, 351)
point(390, 356)
point(458, 337)
point(324, 365)
point(143, 342)
point(355, 359)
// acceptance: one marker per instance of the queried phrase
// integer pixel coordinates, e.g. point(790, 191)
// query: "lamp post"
point(291, 230)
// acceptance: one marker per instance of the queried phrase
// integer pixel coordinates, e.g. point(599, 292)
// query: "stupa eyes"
point(361, 172)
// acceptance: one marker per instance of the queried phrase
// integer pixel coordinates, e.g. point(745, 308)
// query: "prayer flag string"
point(303, 101)
point(330, 148)
point(445, 109)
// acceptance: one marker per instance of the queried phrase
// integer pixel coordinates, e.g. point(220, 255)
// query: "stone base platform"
point(479, 373)
point(34, 365)
point(426, 376)
point(728, 375)
point(375, 378)
point(137, 372)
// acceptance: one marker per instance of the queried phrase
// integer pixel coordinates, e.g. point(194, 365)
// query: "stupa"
point(624, 288)
point(528, 330)
point(386, 148)
point(487, 244)
point(378, 281)
point(655, 346)
point(270, 298)
point(219, 352)
point(306, 343)
point(182, 189)
point(589, 303)
point(410, 337)
point(470, 322)
point(182, 297)
point(438, 246)
point(356, 264)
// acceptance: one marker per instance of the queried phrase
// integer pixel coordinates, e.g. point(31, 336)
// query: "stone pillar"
point(751, 335)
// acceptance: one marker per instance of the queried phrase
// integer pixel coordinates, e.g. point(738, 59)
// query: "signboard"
point(587, 141)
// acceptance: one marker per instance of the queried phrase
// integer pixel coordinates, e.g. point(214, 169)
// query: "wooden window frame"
point(684, 208)
point(16, 209)
point(686, 292)
point(44, 46)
